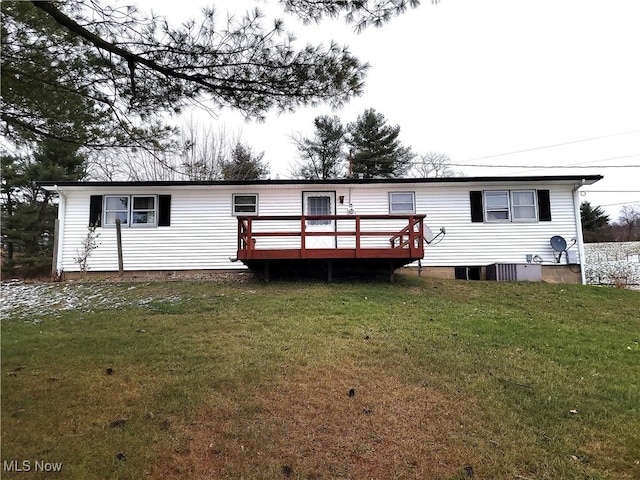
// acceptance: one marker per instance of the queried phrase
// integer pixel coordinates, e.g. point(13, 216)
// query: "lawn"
point(420, 379)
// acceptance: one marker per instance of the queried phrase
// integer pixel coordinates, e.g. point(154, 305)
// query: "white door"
point(319, 203)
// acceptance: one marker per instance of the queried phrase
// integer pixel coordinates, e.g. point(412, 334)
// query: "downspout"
point(576, 210)
point(62, 211)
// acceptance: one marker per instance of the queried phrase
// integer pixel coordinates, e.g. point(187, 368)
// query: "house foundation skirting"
point(550, 273)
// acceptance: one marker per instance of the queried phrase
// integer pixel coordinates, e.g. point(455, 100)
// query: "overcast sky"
point(557, 82)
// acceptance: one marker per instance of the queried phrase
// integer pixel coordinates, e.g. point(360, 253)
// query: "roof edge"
point(588, 179)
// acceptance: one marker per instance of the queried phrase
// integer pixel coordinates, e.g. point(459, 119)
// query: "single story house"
point(497, 227)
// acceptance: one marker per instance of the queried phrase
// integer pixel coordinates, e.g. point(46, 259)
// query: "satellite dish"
point(428, 235)
point(558, 243)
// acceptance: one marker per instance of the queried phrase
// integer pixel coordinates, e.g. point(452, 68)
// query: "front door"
point(319, 203)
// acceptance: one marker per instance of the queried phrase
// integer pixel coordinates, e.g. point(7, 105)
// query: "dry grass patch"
point(330, 421)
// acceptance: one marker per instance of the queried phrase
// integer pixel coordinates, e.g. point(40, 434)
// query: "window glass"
point(143, 203)
point(497, 200)
point(245, 204)
point(402, 202)
point(523, 205)
point(144, 210)
point(319, 206)
point(117, 203)
point(496, 206)
point(116, 207)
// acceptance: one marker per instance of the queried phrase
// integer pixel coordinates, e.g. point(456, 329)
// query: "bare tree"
point(629, 220)
point(206, 151)
point(433, 165)
point(106, 165)
point(203, 154)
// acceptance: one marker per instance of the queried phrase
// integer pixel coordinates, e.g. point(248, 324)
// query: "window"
point(496, 206)
point(245, 204)
point(130, 210)
point(143, 211)
point(319, 206)
point(402, 202)
point(523, 205)
point(116, 208)
point(510, 206)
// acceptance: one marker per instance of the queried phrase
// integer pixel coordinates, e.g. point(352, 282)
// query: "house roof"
point(562, 179)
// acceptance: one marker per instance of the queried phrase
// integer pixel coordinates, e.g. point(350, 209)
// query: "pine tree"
point(322, 156)
point(243, 165)
point(28, 214)
point(375, 148)
point(595, 224)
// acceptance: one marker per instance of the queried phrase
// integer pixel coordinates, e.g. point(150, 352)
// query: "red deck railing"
point(353, 236)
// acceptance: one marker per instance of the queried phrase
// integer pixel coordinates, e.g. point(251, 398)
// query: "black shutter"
point(544, 206)
point(477, 212)
point(95, 210)
point(164, 210)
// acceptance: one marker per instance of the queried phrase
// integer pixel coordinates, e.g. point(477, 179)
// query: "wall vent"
point(502, 272)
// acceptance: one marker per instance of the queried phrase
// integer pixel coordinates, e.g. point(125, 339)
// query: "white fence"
point(612, 263)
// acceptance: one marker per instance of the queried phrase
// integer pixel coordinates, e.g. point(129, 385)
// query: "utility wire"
point(552, 146)
point(541, 167)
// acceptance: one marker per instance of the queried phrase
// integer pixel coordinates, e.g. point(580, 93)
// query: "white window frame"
point(510, 207)
point(394, 211)
point(235, 213)
point(130, 211)
point(502, 209)
point(105, 213)
point(133, 210)
point(534, 218)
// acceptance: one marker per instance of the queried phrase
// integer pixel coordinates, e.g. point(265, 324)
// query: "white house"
point(496, 227)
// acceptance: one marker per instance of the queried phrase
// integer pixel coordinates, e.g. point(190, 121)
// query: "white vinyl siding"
point(203, 235)
point(467, 243)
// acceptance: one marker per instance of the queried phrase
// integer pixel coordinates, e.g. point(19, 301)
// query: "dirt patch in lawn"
point(330, 422)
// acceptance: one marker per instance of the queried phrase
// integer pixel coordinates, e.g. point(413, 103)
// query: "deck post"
point(329, 271)
point(412, 235)
point(265, 272)
point(357, 236)
point(249, 237)
point(303, 236)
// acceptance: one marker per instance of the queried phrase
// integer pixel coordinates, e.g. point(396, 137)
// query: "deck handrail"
point(409, 237)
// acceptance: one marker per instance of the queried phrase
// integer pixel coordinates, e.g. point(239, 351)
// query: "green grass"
point(489, 373)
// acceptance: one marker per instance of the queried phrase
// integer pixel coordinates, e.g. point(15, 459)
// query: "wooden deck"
point(361, 244)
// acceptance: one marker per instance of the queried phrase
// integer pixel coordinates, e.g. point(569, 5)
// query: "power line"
point(542, 166)
point(616, 204)
point(583, 164)
point(607, 159)
point(552, 146)
point(611, 191)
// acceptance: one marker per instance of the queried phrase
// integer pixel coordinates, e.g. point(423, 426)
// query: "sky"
point(501, 87)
